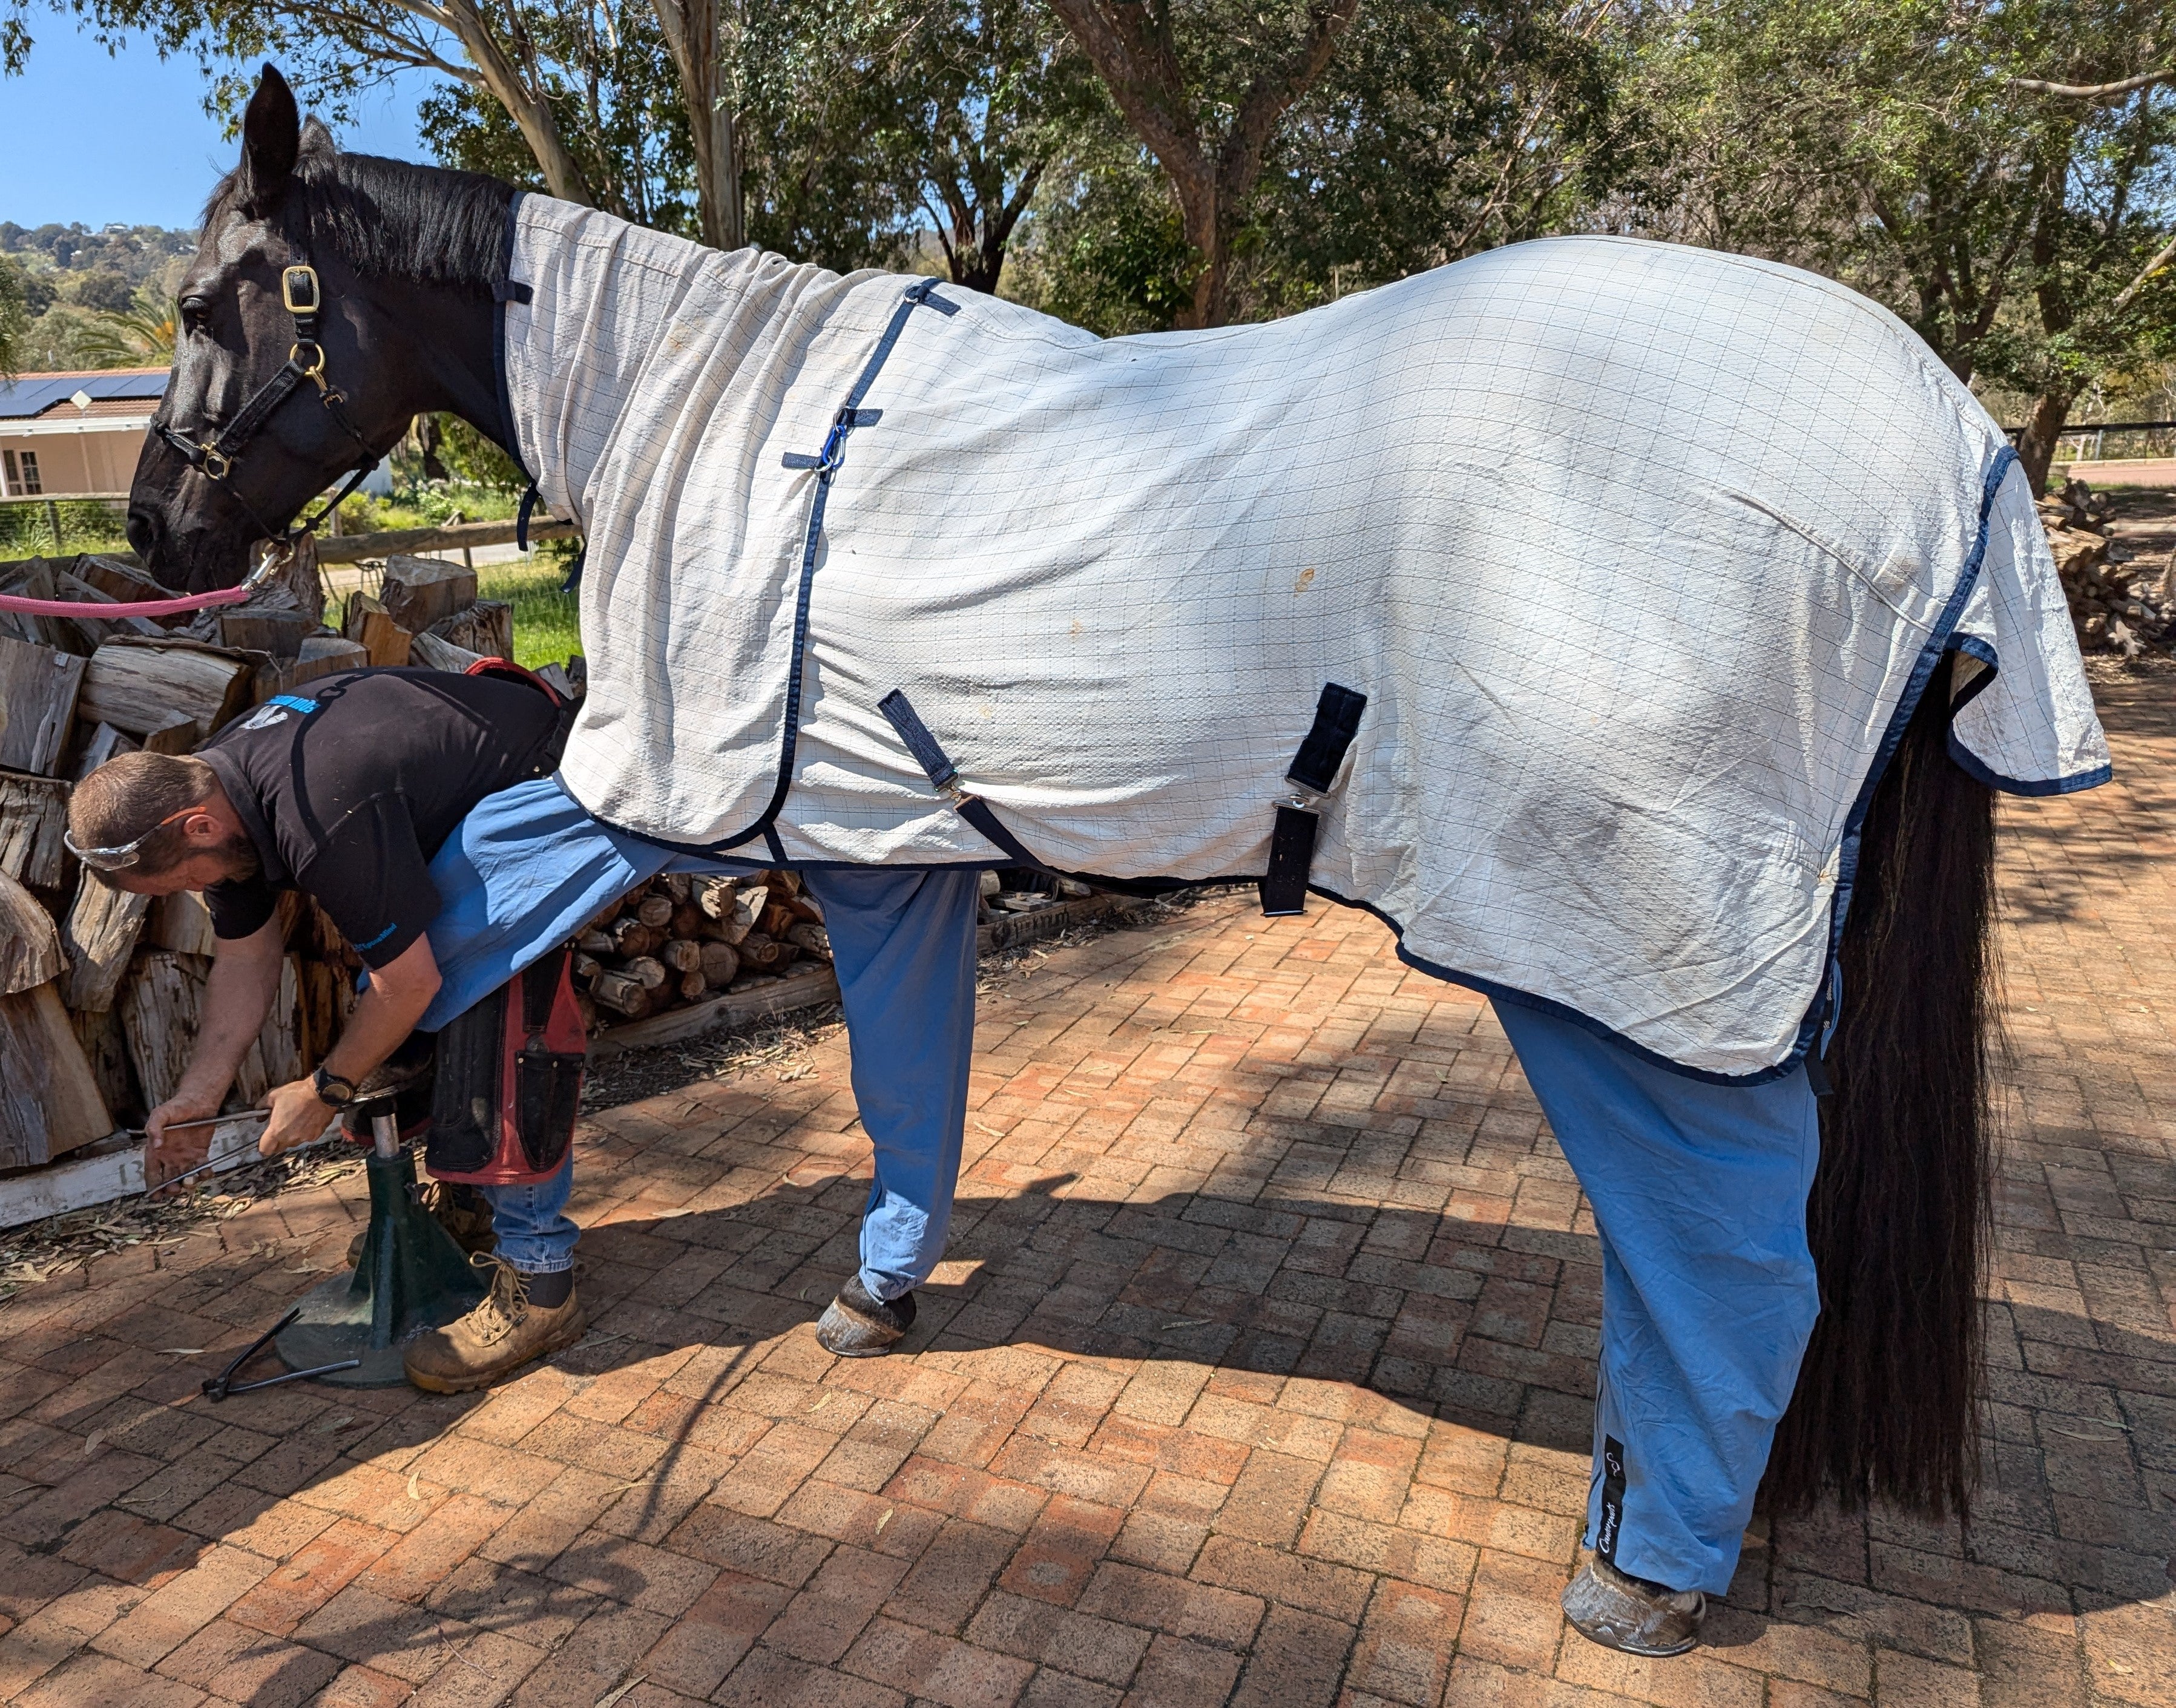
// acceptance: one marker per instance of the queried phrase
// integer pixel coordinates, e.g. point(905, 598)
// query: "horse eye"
point(195, 311)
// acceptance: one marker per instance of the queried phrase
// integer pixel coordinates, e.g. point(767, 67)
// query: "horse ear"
point(271, 138)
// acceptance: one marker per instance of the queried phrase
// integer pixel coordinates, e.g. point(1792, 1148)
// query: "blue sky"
point(100, 138)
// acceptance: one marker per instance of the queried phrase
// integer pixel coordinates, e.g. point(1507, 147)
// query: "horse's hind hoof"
point(1630, 1615)
point(858, 1325)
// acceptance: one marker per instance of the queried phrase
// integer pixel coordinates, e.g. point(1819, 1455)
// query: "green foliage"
point(615, 98)
point(15, 318)
point(546, 622)
point(86, 525)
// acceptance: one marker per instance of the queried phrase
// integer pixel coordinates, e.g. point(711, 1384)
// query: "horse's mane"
point(387, 218)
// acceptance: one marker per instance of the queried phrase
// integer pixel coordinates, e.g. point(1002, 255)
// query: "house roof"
point(33, 393)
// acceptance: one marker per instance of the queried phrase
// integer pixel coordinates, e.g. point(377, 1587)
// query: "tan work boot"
point(494, 1340)
point(459, 1210)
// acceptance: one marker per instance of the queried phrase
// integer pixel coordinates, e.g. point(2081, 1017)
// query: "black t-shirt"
point(348, 789)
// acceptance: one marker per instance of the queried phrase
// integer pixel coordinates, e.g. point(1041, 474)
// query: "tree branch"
point(2129, 294)
point(2094, 91)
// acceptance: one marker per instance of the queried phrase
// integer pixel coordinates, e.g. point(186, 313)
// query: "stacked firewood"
point(679, 939)
point(2121, 603)
point(426, 612)
point(101, 992)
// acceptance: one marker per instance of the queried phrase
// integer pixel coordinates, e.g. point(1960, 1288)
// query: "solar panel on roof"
point(21, 399)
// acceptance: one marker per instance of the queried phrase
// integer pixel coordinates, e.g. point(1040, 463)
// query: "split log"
point(159, 1008)
point(33, 818)
point(713, 896)
point(75, 587)
point(655, 911)
point(177, 734)
point(812, 937)
point(104, 742)
point(432, 653)
point(677, 884)
point(778, 919)
point(594, 943)
point(692, 986)
point(100, 935)
point(645, 970)
point(570, 681)
point(621, 993)
point(687, 921)
point(721, 964)
point(484, 628)
point(586, 967)
point(181, 923)
point(39, 692)
point(33, 579)
point(279, 633)
point(106, 1052)
point(128, 583)
point(30, 953)
point(139, 685)
point(323, 655)
point(418, 592)
point(680, 956)
point(366, 622)
point(49, 1098)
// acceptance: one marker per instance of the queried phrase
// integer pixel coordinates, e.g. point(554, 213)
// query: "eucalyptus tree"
point(1926, 152)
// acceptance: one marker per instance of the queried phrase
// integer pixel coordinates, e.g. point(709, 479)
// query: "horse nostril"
point(143, 532)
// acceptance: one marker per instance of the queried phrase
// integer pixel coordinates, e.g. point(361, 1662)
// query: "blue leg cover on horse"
point(1709, 1293)
point(903, 943)
point(530, 866)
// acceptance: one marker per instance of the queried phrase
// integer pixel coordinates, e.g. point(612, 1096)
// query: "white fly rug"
point(1633, 550)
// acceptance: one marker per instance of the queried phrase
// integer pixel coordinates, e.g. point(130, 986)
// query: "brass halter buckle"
point(299, 289)
point(216, 463)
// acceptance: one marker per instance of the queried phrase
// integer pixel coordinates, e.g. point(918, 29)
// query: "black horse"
point(334, 297)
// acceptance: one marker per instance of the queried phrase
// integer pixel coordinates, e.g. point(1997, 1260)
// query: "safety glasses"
point(129, 853)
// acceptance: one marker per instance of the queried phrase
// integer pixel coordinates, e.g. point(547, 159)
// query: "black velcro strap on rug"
point(1336, 721)
point(930, 755)
point(1291, 853)
point(1292, 840)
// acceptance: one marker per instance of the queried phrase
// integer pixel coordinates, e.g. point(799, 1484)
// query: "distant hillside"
point(94, 298)
point(136, 253)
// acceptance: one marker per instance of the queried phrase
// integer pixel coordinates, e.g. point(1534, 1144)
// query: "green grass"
point(546, 623)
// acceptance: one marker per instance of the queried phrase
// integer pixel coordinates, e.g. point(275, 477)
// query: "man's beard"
point(238, 854)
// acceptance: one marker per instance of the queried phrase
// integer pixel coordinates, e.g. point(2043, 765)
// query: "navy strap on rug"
point(1313, 769)
point(826, 463)
point(945, 776)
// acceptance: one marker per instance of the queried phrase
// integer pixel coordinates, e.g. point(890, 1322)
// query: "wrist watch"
point(333, 1092)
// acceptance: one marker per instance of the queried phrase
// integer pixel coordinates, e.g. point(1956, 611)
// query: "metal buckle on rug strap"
point(1313, 773)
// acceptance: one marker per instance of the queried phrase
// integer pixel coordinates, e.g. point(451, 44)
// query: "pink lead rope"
point(275, 561)
point(139, 607)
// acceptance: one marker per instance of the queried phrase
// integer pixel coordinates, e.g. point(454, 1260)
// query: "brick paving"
point(1259, 1371)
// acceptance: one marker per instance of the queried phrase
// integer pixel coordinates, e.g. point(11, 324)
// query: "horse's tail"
point(1888, 1399)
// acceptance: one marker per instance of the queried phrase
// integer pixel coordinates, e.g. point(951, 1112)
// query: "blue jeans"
point(535, 1233)
point(1708, 1290)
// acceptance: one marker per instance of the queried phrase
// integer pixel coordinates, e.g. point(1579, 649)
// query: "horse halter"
point(214, 459)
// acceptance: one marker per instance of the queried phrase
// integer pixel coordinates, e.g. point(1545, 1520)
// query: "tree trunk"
point(531, 115)
point(696, 31)
point(2043, 426)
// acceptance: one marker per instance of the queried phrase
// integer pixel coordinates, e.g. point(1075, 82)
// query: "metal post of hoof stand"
point(411, 1277)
